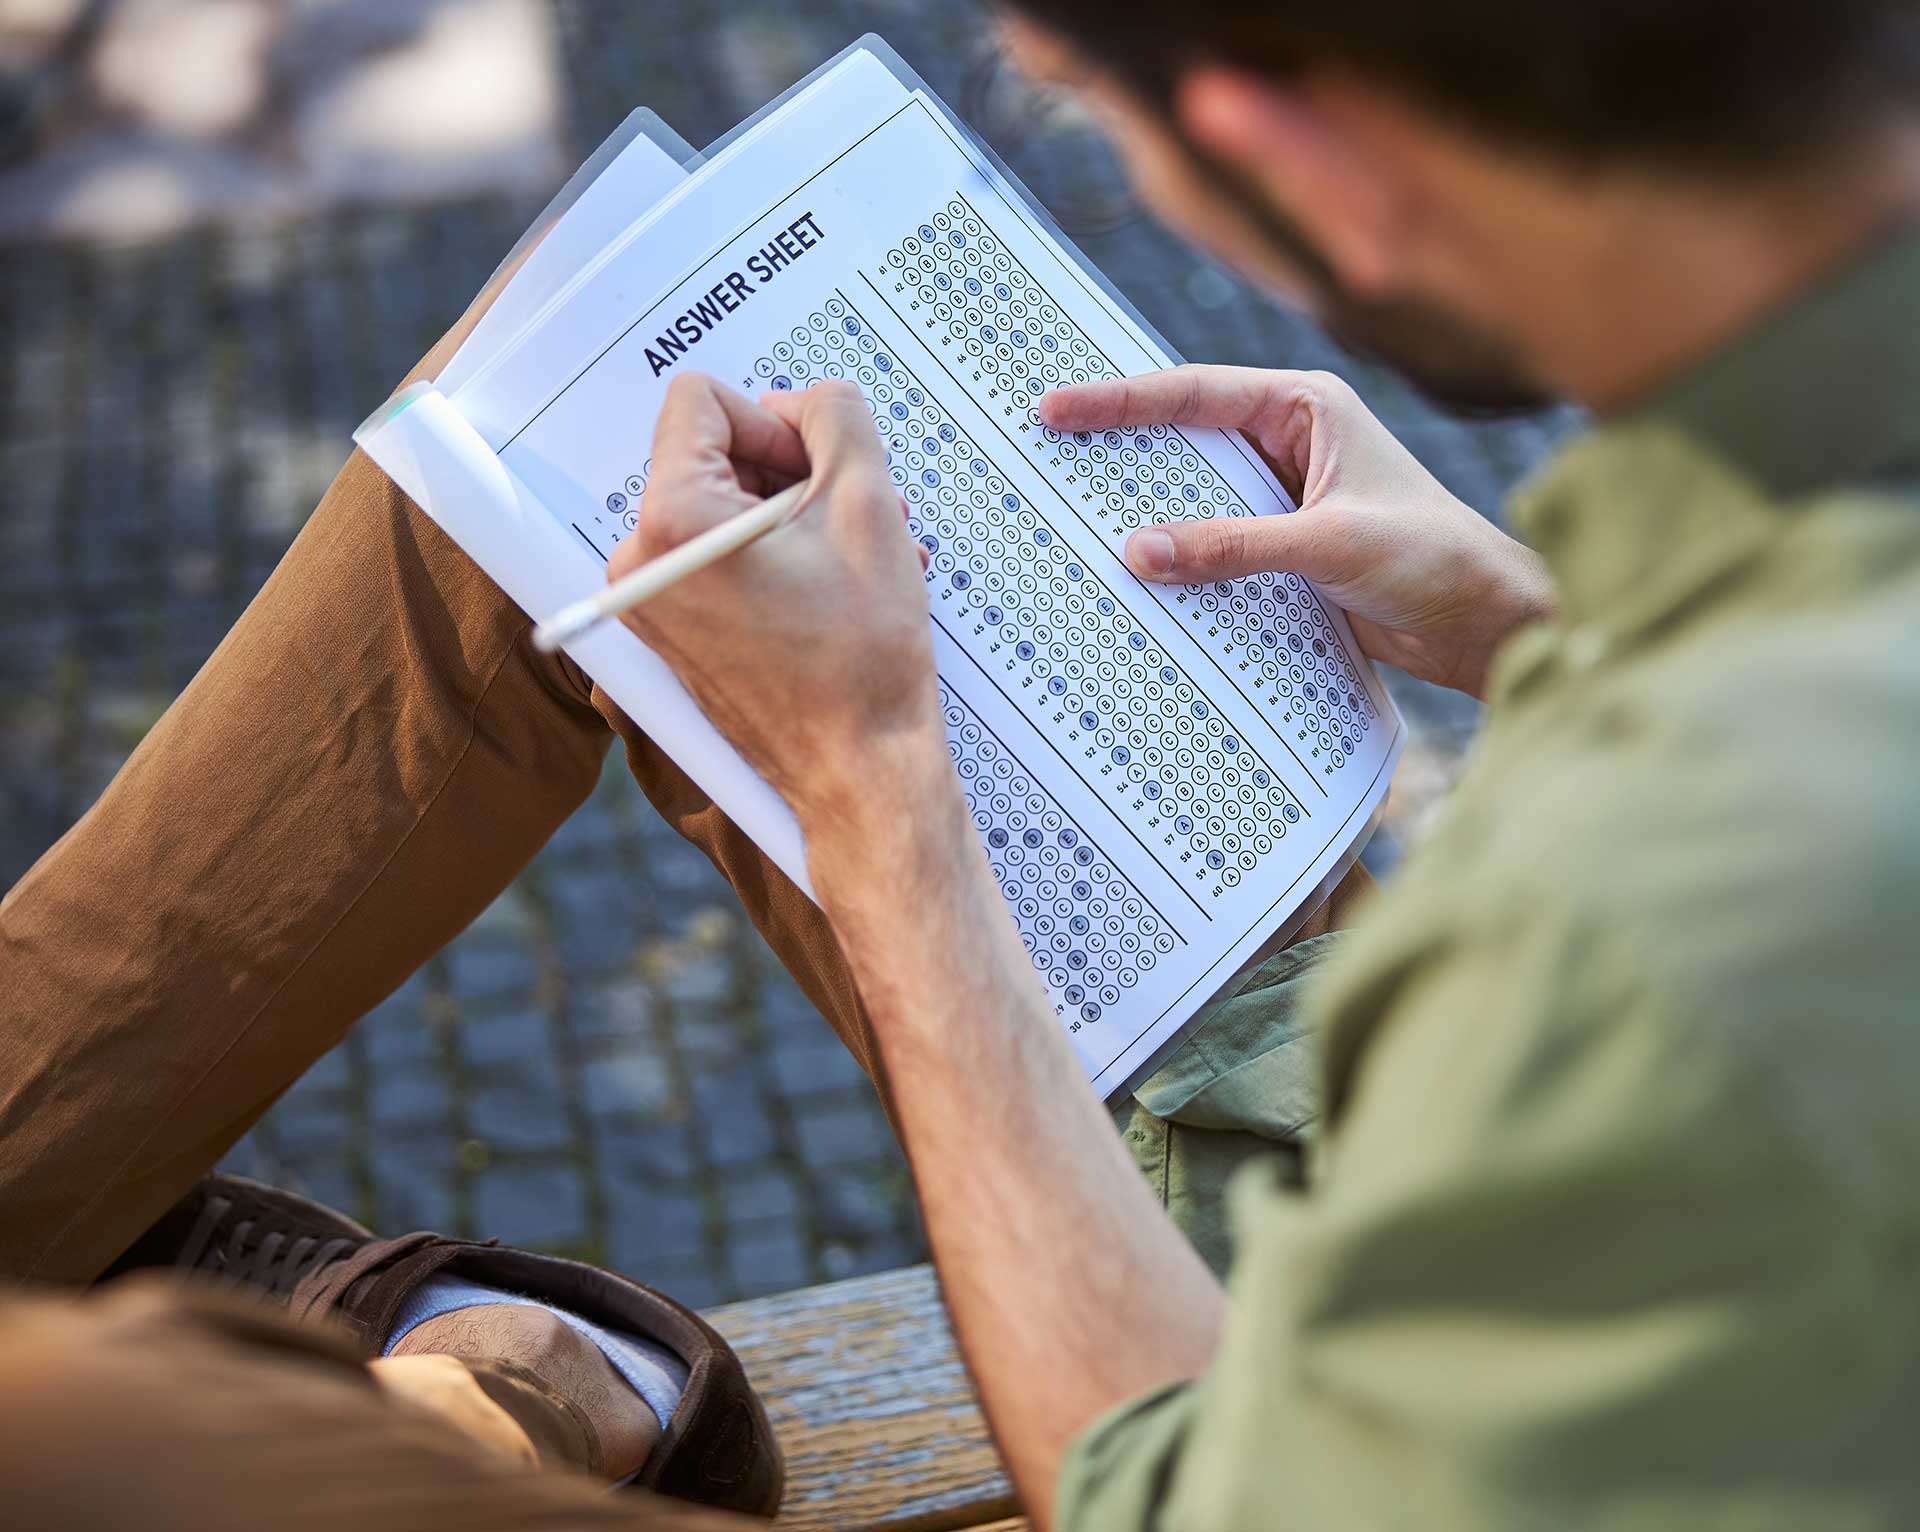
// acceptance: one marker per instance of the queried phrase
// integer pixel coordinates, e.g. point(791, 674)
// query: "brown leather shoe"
point(718, 1449)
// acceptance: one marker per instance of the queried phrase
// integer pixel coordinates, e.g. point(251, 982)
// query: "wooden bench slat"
point(873, 1407)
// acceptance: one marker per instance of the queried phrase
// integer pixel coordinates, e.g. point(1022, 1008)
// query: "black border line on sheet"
point(907, 326)
point(1079, 279)
point(1171, 878)
point(1251, 927)
point(1082, 829)
point(1232, 438)
point(1054, 489)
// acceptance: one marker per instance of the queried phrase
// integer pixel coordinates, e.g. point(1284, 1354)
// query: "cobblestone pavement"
point(609, 1062)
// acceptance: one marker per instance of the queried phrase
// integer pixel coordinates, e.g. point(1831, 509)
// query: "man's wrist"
point(1507, 587)
point(876, 791)
point(1527, 596)
point(899, 872)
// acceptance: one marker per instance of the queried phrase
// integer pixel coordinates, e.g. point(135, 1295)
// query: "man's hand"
point(810, 649)
point(1428, 585)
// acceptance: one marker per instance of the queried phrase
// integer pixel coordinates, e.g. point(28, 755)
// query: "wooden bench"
point(873, 1407)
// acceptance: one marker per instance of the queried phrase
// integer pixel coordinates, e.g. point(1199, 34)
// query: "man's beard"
point(1454, 362)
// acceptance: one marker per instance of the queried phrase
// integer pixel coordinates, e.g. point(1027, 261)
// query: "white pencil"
point(646, 582)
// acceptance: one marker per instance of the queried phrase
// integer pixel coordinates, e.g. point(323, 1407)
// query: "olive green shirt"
point(1614, 1221)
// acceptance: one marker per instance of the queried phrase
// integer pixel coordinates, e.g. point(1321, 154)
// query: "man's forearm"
point(1070, 1289)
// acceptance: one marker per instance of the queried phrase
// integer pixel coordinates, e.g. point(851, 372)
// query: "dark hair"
point(1712, 83)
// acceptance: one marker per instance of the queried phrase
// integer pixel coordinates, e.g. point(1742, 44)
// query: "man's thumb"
point(1225, 548)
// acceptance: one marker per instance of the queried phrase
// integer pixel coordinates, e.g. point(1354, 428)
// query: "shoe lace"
point(275, 1262)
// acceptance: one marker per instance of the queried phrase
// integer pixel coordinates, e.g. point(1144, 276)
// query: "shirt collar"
point(1824, 393)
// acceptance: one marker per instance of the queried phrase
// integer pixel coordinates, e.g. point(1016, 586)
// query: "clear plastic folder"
point(1165, 778)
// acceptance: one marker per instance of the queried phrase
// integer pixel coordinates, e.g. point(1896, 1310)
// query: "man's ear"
point(1342, 186)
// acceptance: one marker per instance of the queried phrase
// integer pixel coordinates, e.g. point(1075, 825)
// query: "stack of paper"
point(1163, 777)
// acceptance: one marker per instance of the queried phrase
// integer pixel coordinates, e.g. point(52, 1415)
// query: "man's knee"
point(133, 1375)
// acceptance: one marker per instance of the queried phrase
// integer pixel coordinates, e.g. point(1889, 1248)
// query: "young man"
point(1609, 1224)
point(1614, 1224)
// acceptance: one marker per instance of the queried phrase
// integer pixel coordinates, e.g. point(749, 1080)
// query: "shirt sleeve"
point(1532, 1284)
point(1117, 1472)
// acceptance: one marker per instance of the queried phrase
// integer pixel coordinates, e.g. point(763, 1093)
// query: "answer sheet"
point(1161, 775)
